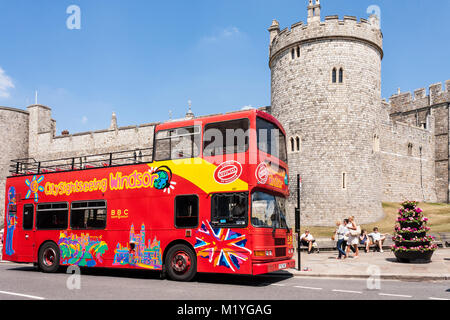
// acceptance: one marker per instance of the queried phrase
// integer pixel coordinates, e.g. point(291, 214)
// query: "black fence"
point(30, 166)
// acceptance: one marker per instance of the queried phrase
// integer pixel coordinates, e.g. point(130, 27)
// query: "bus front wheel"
point(181, 263)
point(49, 257)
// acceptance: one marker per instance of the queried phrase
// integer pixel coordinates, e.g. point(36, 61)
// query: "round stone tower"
point(14, 135)
point(326, 91)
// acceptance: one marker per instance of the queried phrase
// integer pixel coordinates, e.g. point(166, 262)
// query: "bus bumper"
point(261, 268)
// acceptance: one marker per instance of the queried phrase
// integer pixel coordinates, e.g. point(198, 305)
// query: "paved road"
point(24, 282)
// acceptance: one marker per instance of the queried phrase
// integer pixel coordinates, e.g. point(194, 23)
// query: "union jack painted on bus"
point(222, 247)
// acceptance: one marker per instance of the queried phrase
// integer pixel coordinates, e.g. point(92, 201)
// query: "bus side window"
point(179, 143)
point(52, 216)
point(88, 215)
point(226, 137)
point(186, 211)
point(229, 209)
point(28, 212)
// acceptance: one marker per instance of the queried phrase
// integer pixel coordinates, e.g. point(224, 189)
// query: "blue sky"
point(142, 58)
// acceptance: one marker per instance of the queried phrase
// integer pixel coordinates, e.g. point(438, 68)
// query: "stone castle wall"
point(407, 173)
point(14, 137)
point(429, 111)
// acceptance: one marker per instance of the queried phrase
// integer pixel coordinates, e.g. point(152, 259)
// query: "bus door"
point(25, 232)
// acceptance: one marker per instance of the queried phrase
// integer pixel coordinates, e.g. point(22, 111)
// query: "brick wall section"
point(407, 176)
point(430, 111)
point(14, 137)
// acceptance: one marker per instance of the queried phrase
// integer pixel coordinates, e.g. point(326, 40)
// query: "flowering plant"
point(412, 219)
point(410, 234)
point(412, 230)
point(396, 248)
point(399, 238)
point(409, 204)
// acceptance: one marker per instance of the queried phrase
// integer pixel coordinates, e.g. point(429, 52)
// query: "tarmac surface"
point(382, 264)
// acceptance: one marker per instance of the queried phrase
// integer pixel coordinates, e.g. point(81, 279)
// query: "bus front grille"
point(280, 252)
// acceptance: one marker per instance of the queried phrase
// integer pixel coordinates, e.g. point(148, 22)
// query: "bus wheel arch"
point(180, 261)
point(49, 256)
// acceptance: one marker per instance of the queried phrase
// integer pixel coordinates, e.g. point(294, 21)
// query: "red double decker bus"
point(208, 197)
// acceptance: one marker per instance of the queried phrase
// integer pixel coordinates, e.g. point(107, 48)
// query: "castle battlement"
point(331, 28)
point(405, 101)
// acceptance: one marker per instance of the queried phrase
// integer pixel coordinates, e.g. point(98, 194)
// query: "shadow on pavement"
point(101, 272)
point(230, 279)
point(394, 260)
point(242, 280)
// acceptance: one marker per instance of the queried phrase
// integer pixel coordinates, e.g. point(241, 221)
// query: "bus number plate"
point(282, 266)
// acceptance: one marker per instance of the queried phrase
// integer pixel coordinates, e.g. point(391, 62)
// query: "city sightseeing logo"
point(157, 178)
point(34, 187)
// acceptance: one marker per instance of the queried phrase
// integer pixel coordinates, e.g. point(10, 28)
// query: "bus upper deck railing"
point(29, 166)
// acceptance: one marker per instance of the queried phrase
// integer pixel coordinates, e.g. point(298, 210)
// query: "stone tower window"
point(295, 144)
point(298, 52)
point(334, 75)
point(410, 149)
point(293, 54)
point(344, 180)
point(376, 143)
point(341, 75)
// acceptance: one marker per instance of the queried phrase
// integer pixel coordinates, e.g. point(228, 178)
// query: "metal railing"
point(30, 166)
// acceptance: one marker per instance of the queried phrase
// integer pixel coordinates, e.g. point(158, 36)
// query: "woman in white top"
point(352, 241)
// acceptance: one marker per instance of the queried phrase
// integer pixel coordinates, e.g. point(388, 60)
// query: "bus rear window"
point(88, 215)
point(52, 216)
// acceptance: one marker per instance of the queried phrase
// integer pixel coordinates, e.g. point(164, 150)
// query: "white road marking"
point(394, 295)
point(278, 285)
point(347, 291)
point(431, 298)
point(22, 295)
point(308, 288)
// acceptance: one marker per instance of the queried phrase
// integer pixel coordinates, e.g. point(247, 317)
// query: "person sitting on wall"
point(377, 239)
point(308, 240)
point(364, 240)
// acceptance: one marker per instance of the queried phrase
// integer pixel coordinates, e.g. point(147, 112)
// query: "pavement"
point(373, 264)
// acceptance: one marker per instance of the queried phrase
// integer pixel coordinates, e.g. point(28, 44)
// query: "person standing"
point(353, 237)
point(340, 233)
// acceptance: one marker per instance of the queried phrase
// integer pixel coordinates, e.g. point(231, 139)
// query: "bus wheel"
point(49, 258)
point(181, 263)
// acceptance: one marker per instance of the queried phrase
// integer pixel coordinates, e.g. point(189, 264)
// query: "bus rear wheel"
point(181, 263)
point(48, 260)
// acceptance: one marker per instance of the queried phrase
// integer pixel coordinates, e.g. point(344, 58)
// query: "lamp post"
point(297, 221)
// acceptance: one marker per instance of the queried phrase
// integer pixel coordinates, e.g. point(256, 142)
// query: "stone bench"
point(330, 245)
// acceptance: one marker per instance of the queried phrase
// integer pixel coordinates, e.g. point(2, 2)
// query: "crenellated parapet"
point(332, 28)
point(405, 101)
